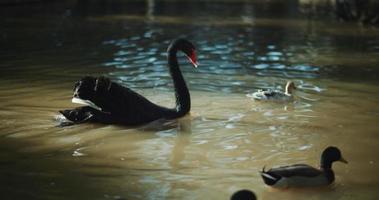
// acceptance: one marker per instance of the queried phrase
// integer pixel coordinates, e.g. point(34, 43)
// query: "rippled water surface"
point(226, 139)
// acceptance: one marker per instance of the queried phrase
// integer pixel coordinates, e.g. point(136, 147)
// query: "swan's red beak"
point(192, 58)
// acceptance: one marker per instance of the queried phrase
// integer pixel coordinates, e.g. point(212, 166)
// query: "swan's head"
point(330, 155)
point(290, 87)
point(187, 48)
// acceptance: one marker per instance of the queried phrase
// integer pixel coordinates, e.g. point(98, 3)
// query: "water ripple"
point(145, 61)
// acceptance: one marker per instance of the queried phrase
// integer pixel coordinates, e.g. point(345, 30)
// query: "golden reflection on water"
point(217, 149)
point(227, 138)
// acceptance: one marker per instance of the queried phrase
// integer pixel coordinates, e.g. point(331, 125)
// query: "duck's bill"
point(343, 160)
point(85, 102)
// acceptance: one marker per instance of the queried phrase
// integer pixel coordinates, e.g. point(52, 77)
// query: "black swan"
point(110, 103)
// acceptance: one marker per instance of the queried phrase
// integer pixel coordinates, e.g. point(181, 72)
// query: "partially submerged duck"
point(243, 195)
point(275, 95)
point(302, 175)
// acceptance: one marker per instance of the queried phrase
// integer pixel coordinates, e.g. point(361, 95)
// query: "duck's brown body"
point(302, 175)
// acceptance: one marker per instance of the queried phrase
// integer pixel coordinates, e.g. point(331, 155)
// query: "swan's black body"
point(121, 105)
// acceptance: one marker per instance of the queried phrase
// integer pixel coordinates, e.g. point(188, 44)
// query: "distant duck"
point(243, 195)
point(302, 175)
point(275, 95)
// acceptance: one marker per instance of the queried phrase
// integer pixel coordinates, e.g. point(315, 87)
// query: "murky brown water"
point(217, 149)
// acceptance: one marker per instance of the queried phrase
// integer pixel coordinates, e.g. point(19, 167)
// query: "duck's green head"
point(330, 155)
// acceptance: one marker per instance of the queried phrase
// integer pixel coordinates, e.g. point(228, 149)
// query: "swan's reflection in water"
point(181, 142)
point(179, 130)
point(226, 135)
point(226, 140)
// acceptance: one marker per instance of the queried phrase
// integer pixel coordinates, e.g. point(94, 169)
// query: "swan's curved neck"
point(183, 100)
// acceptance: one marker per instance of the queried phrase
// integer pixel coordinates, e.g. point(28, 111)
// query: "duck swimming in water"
point(302, 175)
point(243, 195)
point(275, 95)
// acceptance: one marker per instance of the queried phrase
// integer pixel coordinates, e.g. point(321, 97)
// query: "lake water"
point(225, 140)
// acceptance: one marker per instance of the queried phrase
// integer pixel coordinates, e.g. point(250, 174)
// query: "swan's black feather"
point(121, 105)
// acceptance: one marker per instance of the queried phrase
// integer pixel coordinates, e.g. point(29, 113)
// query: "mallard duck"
point(243, 195)
point(275, 95)
point(302, 175)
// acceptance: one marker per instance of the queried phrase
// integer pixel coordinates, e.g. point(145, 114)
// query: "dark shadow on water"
point(26, 175)
point(56, 174)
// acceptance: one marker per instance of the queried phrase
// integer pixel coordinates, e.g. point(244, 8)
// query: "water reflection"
point(227, 138)
point(146, 67)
